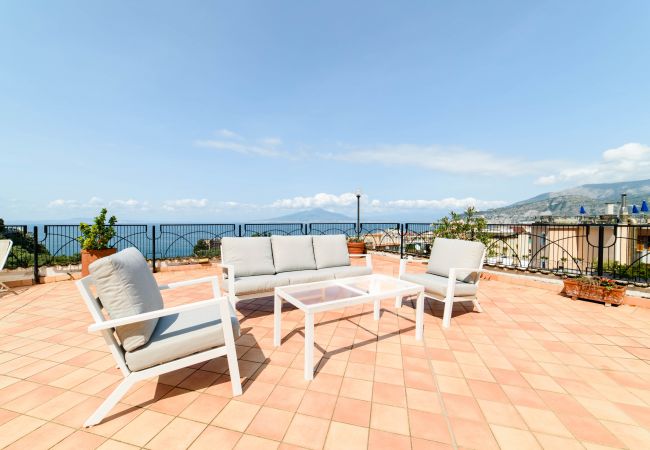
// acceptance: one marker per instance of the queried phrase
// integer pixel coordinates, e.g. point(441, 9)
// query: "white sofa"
point(256, 265)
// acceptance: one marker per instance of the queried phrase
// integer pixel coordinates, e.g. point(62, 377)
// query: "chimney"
point(623, 211)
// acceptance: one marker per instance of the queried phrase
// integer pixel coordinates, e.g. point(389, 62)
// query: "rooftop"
point(534, 370)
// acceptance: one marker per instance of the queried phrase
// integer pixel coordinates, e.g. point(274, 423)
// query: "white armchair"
point(453, 273)
point(177, 337)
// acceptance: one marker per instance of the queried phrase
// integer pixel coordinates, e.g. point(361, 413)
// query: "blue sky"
point(221, 111)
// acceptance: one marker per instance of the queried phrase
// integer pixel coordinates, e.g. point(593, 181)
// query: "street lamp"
point(358, 194)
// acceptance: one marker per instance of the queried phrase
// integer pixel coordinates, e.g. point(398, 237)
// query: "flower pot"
point(639, 247)
point(89, 256)
point(356, 248)
point(577, 289)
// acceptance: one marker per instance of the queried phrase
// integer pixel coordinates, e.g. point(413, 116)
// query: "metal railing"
point(618, 251)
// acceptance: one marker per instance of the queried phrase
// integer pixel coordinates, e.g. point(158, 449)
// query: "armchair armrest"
point(409, 260)
point(368, 257)
point(108, 324)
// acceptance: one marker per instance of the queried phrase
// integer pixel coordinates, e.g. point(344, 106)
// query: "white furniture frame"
point(228, 274)
point(449, 299)
point(376, 294)
point(220, 303)
point(5, 249)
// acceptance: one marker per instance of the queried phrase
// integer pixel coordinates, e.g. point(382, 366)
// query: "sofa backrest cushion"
point(249, 255)
point(449, 253)
point(293, 253)
point(126, 287)
point(331, 251)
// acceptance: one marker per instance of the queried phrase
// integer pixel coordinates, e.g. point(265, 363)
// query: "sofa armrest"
point(228, 273)
point(368, 257)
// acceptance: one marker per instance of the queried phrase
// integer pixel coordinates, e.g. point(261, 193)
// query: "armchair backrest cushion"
point(126, 287)
point(5, 249)
point(293, 253)
point(450, 253)
point(331, 251)
point(249, 255)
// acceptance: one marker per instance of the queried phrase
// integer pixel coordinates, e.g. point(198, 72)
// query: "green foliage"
point(98, 235)
point(204, 249)
point(468, 226)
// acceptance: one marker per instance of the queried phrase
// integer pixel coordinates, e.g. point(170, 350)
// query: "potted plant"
point(95, 240)
point(594, 288)
point(356, 246)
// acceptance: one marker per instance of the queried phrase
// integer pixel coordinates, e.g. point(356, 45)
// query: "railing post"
point(153, 248)
point(36, 277)
point(239, 232)
point(401, 240)
point(601, 249)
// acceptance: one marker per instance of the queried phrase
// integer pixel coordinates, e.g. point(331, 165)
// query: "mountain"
point(567, 202)
point(313, 215)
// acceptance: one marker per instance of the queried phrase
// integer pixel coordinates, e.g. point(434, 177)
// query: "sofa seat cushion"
point(306, 276)
point(437, 285)
point(180, 335)
point(450, 253)
point(347, 271)
point(291, 253)
point(331, 251)
point(258, 283)
point(126, 287)
point(249, 255)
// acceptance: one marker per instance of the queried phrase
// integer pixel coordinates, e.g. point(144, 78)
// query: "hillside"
point(567, 202)
point(313, 215)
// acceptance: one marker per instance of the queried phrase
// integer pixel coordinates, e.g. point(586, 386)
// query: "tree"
point(467, 226)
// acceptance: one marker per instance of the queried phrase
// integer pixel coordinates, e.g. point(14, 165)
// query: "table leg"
point(277, 318)
point(377, 309)
point(398, 301)
point(419, 317)
point(309, 346)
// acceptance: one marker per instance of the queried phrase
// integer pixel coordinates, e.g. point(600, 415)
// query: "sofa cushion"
point(180, 335)
point(449, 253)
point(293, 253)
point(249, 255)
point(258, 283)
point(347, 271)
point(331, 251)
point(126, 287)
point(437, 285)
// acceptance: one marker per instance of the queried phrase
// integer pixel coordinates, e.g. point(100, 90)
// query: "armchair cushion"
point(331, 251)
point(450, 253)
point(292, 253)
point(180, 335)
point(437, 285)
point(126, 287)
point(249, 255)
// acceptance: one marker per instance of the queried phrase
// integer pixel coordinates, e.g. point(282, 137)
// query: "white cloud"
point(456, 160)
point(627, 162)
point(62, 203)
point(244, 149)
point(185, 203)
point(97, 202)
point(321, 200)
point(271, 141)
point(229, 134)
point(445, 203)
point(130, 203)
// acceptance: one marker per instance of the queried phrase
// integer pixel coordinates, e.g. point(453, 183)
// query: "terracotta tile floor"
point(535, 370)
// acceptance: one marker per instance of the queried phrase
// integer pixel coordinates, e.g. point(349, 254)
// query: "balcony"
point(535, 370)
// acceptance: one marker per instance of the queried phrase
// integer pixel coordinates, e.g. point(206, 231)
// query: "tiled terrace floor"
point(535, 370)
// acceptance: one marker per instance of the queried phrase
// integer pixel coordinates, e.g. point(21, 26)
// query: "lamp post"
point(358, 194)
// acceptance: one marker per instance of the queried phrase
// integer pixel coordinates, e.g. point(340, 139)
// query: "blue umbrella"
point(582, 210)
point(644, 207)
point(635, 210)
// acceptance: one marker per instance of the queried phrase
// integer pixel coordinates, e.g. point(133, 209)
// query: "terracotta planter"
point(89, 256)
point(576, 289)
point(356, 248)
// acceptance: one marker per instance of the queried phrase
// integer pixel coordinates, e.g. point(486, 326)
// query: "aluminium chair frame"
point(4, 287)
point(449, 299)
point(106, 327)
point(228, 274)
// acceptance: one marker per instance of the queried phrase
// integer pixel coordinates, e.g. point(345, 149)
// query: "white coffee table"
point(330, 295)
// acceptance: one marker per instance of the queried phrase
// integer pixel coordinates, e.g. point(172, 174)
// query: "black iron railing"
point(618, 251)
